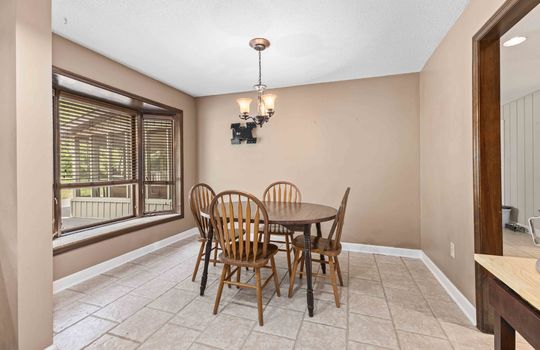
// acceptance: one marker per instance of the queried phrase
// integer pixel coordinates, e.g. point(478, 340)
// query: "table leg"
point(505, 335)
point(319, 234)
point(207, 255)
point(307, 255)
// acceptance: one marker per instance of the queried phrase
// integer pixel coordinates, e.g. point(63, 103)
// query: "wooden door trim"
point(486, 144)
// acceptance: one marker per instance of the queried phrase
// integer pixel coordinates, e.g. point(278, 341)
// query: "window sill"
point(98, 234)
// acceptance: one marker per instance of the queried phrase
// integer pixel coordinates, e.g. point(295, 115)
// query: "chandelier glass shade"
point(265, 102)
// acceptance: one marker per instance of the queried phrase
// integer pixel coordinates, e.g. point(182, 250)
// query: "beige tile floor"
point(151, 303)
point(519, 244)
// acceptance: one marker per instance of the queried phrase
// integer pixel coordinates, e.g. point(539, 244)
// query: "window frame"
point(138, 192)
point(145, 182)
point(59, 186)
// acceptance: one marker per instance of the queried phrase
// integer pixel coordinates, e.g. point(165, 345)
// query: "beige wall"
point(446, 148)
point(25, 205)
point(325, 137)
point(77, 59)
point(8, 157)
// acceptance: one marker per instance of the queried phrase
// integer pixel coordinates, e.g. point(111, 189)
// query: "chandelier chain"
point(260, 68)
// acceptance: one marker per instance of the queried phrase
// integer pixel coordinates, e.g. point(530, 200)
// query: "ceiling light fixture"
point(265, 102)
point(514, 41)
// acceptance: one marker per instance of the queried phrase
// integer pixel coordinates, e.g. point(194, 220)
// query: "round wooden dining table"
point(290, 215)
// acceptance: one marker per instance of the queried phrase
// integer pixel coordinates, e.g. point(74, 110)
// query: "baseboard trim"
point(464, 304)
point(383, 250)
point(83, 275)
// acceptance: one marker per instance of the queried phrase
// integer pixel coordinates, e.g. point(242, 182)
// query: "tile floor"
point(519, 244)
point(151, 303)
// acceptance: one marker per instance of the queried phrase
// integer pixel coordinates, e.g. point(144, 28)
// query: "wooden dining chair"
point(200, 197)
point(329, 247)
point(237, 219)
point(283, 192)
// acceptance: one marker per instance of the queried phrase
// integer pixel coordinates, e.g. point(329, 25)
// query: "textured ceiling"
point(520, 73)
point(201, 46)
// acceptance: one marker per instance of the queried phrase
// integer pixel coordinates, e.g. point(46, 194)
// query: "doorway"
point(487, 144)
point(520, 137)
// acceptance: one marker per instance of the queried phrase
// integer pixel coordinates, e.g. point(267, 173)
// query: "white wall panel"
point(513, 156)
point(520, 157)
point(506, 154)
point(536, 150)
point(529, 158)
point(520, 181)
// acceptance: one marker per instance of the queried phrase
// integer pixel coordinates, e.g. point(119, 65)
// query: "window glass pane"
point(158, 198)
point(86, 206)
point(97, 143)
point(158, 150)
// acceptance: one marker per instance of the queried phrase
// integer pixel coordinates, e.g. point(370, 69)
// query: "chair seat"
point(250, 261)
point(318, 245)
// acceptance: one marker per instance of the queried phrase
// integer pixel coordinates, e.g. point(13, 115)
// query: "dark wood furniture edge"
point(516, 313)
point(486, 145)
point(114, 233)
point(304, 222)
point(297, 222)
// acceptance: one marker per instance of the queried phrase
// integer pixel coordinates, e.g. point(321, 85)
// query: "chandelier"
point(265, 102)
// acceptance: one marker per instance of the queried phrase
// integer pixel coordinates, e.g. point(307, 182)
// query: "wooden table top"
point(519, 274)
point(294, 213)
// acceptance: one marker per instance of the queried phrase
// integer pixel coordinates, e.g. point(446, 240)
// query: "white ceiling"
point(520, 65)
point(201, 46)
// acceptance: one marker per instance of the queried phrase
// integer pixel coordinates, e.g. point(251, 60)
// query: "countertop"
point(519, 274)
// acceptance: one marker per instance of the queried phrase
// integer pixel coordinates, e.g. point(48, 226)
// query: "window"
point(158, 134)
point(112, 163)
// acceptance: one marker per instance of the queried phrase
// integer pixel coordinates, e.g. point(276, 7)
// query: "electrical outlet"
point(452, 250)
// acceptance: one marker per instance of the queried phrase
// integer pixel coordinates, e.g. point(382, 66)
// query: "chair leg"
point(259, 295)
point(339, 271)
point(199, 258)
point(215, 253)
point(333, 278)
point(229, 278)
point(288, 248)
point(293, 272)
point(224, 273)
point(301, 266)
point(274, 272)
point(238, 273)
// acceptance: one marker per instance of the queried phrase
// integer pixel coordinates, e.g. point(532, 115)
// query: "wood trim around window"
point(114, 233)
point(178, 159)
point(66, 73)
point(486, 145)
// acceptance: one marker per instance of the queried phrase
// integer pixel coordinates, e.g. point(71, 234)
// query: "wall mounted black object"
point(243, 133)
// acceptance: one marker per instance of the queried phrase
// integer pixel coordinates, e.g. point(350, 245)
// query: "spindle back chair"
point(283, 192)
point(329, 247)
point(200, 197)
point(240, 224)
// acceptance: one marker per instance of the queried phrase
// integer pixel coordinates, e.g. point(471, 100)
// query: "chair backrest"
point(337, 226)
point(282, 192)
point(200, 197)
point(240, 222)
